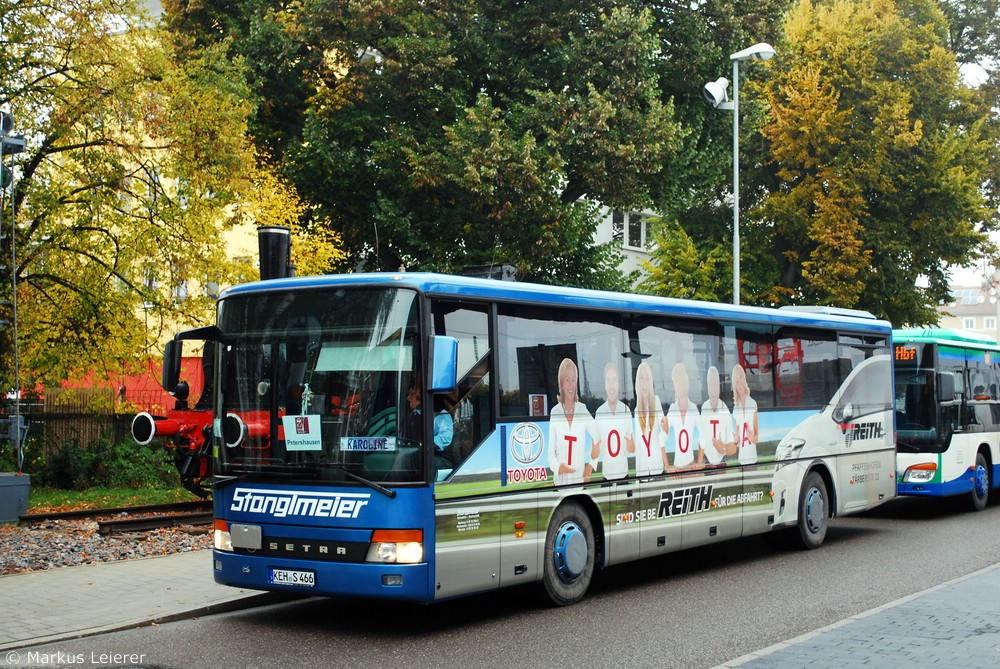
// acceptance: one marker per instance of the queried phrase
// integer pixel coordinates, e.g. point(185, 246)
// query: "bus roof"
point(530, 293)
point(943, 336)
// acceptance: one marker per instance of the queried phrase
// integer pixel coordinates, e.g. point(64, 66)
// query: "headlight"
point(789, 449)
point(921, 473)
point(396, 547)
point(222, 539)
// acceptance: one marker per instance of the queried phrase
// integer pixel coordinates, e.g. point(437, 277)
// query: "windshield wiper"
point(361, 479)
point(288, 470)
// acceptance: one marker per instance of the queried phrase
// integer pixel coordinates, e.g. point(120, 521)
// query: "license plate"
point(293, 577)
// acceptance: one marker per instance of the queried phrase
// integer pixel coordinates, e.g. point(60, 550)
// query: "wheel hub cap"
point(982, 481)
point(815, 512)
point(570, 552)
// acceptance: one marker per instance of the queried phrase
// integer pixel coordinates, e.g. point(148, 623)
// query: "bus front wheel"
point(980, 484)
point(812, 511)
point(569, 555)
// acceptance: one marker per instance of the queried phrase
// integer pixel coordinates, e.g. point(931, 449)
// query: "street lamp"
point(11, 145)
point(715, 93)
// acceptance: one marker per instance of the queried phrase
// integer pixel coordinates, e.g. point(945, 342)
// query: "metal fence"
point(77, 417)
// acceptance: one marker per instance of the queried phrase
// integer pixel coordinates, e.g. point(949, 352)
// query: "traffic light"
point(6, 176)
point(6, 123)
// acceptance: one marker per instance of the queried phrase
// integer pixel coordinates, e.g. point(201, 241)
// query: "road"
point(693, 609)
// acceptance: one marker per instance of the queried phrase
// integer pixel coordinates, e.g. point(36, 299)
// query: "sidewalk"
point(955, 625)
point(56, 604)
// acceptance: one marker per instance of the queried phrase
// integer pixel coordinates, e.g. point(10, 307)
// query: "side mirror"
point(444, 364)
point(172, 365)
point(946, 387)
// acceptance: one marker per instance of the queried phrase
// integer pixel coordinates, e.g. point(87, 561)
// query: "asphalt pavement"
point(952, 625)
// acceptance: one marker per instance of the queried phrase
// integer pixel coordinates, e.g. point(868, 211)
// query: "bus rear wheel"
point(980, 484)
point(812, 511)
point(569, 555)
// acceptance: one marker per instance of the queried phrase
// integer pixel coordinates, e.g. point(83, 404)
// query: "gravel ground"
point(62, 543)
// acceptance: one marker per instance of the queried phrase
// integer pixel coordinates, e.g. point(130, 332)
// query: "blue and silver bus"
point(947, 414)
point(421, 437)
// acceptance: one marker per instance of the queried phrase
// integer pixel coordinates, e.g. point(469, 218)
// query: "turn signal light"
point(921, 473)
point(221, 538)
point(396, 547)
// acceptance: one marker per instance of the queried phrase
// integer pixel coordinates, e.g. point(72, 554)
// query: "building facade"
point(973, 309)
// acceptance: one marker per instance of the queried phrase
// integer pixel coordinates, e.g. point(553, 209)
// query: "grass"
point(50, 500)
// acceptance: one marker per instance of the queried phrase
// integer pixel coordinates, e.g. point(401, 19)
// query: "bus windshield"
point(917, 414)
point(320, 385)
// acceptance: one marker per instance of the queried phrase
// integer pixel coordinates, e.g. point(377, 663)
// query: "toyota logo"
point(526, 443)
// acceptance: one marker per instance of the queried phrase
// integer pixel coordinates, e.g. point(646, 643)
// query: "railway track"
point(134, 518)
point(124, 525)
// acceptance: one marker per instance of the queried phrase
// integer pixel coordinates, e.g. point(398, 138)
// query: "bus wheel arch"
point(572, 551)
point(981, 482)
point(816, 507)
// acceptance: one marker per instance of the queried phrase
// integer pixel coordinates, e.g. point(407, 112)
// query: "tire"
point(980, 484)
point(569, 555)
point(813, 514)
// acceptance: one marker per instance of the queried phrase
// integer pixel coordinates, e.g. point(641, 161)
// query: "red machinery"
point(188, 432)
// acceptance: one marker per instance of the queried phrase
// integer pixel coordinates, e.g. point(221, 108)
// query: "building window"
point(211, 288)
point(969, 323)
point(631, 229)
point(150, 285)
point(618, 226)
point(242, 275)
point(180, 292)
point(990, 323)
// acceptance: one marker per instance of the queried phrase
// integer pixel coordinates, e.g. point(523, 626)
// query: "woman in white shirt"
point(569, 424)
point(745, 415)
point(650, 456)
point(681, 419)
point(613, 421)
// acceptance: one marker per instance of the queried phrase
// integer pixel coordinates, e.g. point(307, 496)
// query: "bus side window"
point(470, 405)
point(471, 417)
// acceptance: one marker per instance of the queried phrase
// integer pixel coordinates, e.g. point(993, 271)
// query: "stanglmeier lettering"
point(284, 503)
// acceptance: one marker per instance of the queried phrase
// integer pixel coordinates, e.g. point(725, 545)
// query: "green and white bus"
point(947, 414)
point(422, 437)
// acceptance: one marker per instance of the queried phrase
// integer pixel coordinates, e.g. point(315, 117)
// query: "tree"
point(133, 164)
point(880, 156)
point(444, 134)
point(316, 248)
point(678, 268)
point(973, 30)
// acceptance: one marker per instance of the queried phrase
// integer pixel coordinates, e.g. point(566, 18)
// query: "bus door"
point(466, 556)
point(522, 539)
point(864, 419)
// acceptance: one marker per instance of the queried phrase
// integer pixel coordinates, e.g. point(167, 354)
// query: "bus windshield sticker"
point(368, 444)
point(302, 433)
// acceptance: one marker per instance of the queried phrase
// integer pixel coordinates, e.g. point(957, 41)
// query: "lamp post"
point(715, 93)
point(11, 145)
